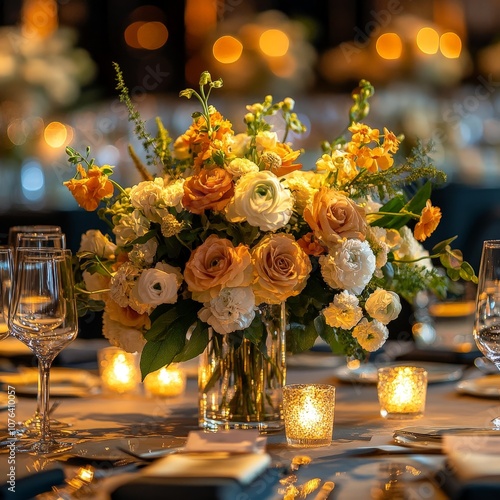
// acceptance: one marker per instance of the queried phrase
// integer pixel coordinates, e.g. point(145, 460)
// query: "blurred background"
point(435, 65)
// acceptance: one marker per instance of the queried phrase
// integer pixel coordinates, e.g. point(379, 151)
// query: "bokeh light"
point(227, 49)
point(450, 45)
point(274, 43)
point(428, 40)
point(389, 46)
point(55, 134)
point(152, 35)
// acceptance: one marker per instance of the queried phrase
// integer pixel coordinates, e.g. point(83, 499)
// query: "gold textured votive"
point(402, 391)
point(308, 411)
point(166, 382)
point(119, 370)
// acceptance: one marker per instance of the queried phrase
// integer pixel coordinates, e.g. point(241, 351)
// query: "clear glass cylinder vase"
point(240, 381)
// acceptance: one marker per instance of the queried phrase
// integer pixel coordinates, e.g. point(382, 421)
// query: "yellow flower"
point(391, 142)
point(429, 221)
point(374, 159)
point(92, 187)
point(363, 134)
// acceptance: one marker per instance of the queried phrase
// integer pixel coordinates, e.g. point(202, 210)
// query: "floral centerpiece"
point(225, 222)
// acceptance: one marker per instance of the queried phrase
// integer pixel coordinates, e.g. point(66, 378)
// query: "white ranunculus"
point(371, 335)
point(125, 337)
point(94, 282)
point(96, 242)
point(266, 140)
point(344, 312)
point(261, 200)
point(131, 227)
point(383, 305)
point(233, 309)
point(158, 285)
point(241, 166)
point(144, 254)
point(350, 266)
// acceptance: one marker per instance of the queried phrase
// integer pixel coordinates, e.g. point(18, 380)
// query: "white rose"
point(125, 337)
point(344, 312)
point(350, 266)
point(266, 140)
point(131, 227)
point(157, 285)
point(96, 242)
point(233, 309)
point(383, 305)
point(371, 335)
point(261, 199)
point(94, 282)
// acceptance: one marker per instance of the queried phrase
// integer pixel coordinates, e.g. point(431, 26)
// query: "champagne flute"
point(487, 315)
point(43, 315)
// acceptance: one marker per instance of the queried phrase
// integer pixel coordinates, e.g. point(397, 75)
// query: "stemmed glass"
point(14, 231)
point(487, 315)
point(43, 316)
point(6, 272)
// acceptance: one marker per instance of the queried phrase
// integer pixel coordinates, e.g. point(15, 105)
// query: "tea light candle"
point(168, 381)
point(308, 411)
point(119, 370)
point(402, 391)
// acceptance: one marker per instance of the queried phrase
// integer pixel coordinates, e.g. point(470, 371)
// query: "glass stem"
point(44, 371)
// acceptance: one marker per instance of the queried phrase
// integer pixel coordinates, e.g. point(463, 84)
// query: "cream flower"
point(241, 166)
point(298, 182)
point(158, 285)
point(94, 282)
point(371, 335)
point(96, 242)
point(281, 268)
point(148, 197)
point(383, 305)
point(127, 338)
point(240, 144)
point(344, 312)
point(266, 140)
point(262, 201)
point(349, 267)
point(143, 254)
point(122, 283)
point(233, 309)
point(410, 249)
point(130, 227)
point(172, 194)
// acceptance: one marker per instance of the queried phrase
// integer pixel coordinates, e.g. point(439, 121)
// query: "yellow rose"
point(281, 268)
point(217, 264)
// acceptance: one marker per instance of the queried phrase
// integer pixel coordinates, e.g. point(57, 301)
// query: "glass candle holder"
point(119, 370)
point(402, 391)
point(168, 381)
point(308, 411)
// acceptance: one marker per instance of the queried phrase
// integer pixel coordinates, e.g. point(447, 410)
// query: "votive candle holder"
point(119, 370)
point(308, 411)
point(402, 391)
point(169, 381)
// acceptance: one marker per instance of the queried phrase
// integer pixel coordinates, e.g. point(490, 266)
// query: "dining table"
point(363, 460)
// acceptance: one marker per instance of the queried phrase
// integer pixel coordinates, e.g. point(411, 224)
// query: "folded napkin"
point(233, 441)
point(473, 468)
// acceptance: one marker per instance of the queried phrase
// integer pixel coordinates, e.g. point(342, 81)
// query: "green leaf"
point(195, 345)
point(394, 206)
point(156, 355)
point(441, 246)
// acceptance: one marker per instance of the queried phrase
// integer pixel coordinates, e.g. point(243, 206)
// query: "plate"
point(367, 374)
point(108, 449)
point(63, 382)
point(485, 387)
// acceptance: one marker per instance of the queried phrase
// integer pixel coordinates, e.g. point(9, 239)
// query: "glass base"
point(308, 443)
point(264, 427)
point(401, 416)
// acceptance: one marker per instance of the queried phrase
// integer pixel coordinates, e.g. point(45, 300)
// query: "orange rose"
point(126, 315)
point(281, 268)
point(91, 188)
point(310, 245)
point(211, 189)
point(334, 216)
point(429, 221)
point(217, 264)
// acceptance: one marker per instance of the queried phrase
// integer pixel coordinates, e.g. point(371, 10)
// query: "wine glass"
point(37, 228)
point(43, 316)
point(6, 272)
point(487, 315)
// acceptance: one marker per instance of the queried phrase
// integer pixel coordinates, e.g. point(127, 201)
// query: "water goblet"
point(43, 315)
point(487, 314)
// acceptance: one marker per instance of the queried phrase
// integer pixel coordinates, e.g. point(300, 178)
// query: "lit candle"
point(402, 391)
point(119, 370)
point(308, 411)
point(166, 382)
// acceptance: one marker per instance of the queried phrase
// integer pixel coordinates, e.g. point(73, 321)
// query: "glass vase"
point(240, 381)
